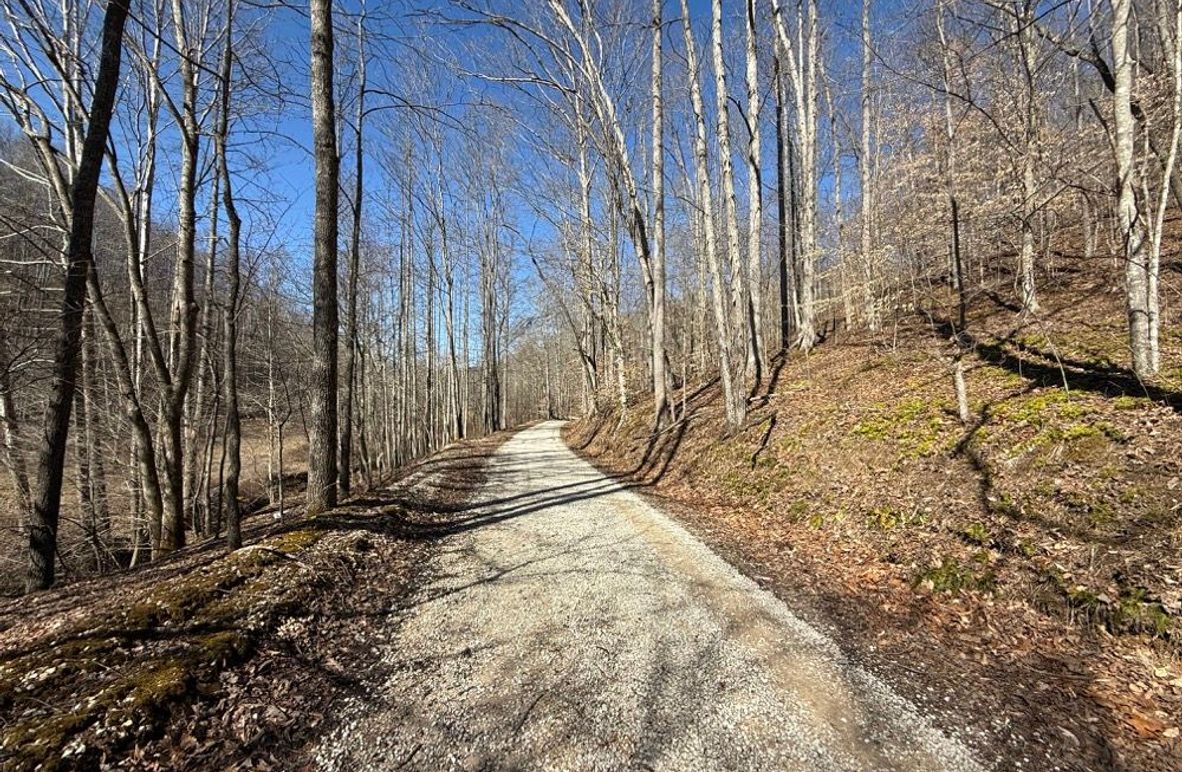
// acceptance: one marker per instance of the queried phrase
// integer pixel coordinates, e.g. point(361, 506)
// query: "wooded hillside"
point(901, 274)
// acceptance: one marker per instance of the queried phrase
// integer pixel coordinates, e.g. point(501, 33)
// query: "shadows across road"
point(566, 623)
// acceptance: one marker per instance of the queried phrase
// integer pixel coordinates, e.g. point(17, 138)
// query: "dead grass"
point(76, 553)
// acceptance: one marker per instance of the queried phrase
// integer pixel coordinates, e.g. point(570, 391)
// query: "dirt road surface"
point(568, 624)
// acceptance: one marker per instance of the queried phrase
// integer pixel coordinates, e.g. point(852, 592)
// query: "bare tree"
point(322, 439)
point(349, 377)
point(233, 439)
point(47, 491)
point(866, 170)
point(736, 260)
point(802, 60)
point(735, 405)
point(1128, 213)
point(661, 396)
point(755, 348)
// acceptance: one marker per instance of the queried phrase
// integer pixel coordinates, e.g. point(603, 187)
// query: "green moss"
point(1040, 408)
point(884, 518)
point(1006, 505)
point(146, 689)
point(1130, 494)
point(977, 533)
point(1101, 513)
point(797, 510)
point(915, 425)
point(294, 541)
point(1109, 472)
point(1079, 431)
point(36, 743)
point(948, 576)
point(1134, 611)
point(889, 518)
point(208, 597)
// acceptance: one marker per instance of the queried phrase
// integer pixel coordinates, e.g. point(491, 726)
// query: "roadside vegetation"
point(1026, 561)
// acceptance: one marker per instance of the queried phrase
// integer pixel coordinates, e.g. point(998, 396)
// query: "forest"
point(891, 279)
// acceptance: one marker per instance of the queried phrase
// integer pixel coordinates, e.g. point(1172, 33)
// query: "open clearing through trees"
point(568, 624)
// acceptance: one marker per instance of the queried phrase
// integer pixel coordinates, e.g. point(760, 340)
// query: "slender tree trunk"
point(348, 377)
point(232, 446)
point(722, 325)
point(96, 475)
point(1131, 227)
point(740, 291)
point(866, 168)
point(661, 396)
point(754, 311)
point(322, 440)
point(1026, 281)
point(184, 305)
point(14, 457)
point(43, 521)
point(197, 407)
point(949, 170)
point(784, 225)
point(802, 69)
point(1170, 33)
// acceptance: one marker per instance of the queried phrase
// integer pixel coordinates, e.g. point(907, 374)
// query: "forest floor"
point(212, 661)
point(1020, 575)
point(566, 624)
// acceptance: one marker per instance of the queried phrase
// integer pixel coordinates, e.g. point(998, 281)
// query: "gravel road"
point(570, 625)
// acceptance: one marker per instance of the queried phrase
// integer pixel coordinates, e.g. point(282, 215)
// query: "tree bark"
point(348, 377)
point(1131, 227)
point(802, 65)
point(233, 440)
point(43, 521)
point(740, 292)
point(866, 169)
point(322, 440)
point(661, 396)
point(754, 311)
point(722, 324)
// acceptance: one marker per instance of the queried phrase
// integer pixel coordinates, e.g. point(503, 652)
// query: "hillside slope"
point(208, 660)
point(1028, 561)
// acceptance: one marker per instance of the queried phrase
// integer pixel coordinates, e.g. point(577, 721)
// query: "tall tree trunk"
point(949, 169)
point(349, 377)
point(784, 230)
point(740, 292)
point(1024, 32)
point(197, 407)
point(233, 441)
point(661, 397)
point(1170, 34)
point(96, 475)
point(754, 313)
point(722, 324)
point(803, 61)
point(43, 521)
point(322, 440)
point(1131, 227)
point(866, 169)
point(184, 305)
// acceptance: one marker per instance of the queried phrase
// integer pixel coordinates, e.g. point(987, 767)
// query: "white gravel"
point(573, 626)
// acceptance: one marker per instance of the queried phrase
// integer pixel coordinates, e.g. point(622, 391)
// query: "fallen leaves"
point(254, 691)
